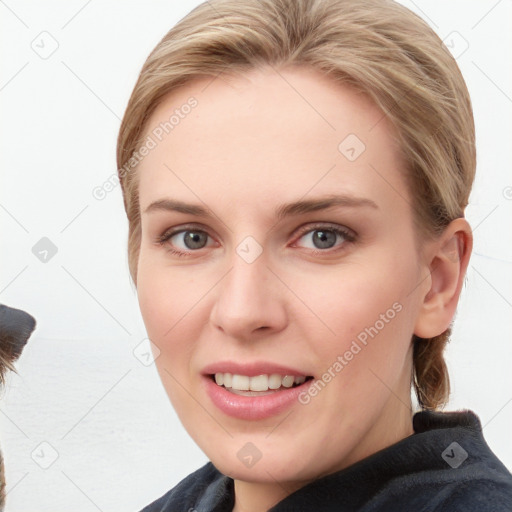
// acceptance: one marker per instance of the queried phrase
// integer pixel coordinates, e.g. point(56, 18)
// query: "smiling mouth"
point(258, 385)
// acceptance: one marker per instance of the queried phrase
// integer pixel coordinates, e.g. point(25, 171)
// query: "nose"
point(249, 301)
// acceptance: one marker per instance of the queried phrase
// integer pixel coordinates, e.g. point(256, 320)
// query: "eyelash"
point(348, 235)
point(164, 237)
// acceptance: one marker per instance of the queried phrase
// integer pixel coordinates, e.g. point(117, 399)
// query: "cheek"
point(364, 311)
point(366, 357)
point(157, 307)
point(170, 304)
point(166, 296)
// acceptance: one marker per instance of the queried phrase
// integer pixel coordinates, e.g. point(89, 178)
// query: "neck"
point(259, 496)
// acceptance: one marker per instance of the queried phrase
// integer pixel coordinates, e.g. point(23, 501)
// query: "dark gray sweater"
point(445, 466)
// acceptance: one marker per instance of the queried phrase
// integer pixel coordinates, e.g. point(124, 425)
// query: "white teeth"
point(274, 381)
point(288, 381)
point(241, 382)
point(257, 383)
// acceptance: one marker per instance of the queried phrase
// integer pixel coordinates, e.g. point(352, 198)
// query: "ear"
point(447, 263)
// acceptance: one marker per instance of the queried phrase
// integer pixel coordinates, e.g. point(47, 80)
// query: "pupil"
point(195, 239)
point(324, 239)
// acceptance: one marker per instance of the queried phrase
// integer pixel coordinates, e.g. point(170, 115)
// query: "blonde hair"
point(377, 46)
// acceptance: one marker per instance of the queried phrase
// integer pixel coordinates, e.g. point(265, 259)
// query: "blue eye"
point(185, 240)
point(190, 239)
point(325, 237)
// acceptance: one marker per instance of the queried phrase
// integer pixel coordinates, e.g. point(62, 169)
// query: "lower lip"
point(253, 407)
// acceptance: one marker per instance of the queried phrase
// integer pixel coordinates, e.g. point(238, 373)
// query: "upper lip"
point(251, 369)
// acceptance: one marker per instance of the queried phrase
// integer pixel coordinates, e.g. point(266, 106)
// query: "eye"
point(324, 237)
point(185, 240)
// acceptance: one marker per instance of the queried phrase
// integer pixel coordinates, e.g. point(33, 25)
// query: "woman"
point(295, 175)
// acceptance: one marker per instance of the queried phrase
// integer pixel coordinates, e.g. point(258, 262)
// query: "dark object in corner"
point(16, 326)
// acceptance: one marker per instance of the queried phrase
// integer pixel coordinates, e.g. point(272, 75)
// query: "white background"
point(81, 391)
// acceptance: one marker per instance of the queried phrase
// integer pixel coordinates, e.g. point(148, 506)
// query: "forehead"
point(291, 131)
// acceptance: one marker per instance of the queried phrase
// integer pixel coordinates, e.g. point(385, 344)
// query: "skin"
point(252, 144)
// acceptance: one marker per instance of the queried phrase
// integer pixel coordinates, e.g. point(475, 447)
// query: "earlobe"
point(448, 264)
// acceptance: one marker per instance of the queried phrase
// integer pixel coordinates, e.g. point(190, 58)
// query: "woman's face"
point(278, 240)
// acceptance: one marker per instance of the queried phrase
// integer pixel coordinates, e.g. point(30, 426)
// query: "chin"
point(280, 466)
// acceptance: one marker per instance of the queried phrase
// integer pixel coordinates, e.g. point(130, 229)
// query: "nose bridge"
point(245, 286)
point(247, 298)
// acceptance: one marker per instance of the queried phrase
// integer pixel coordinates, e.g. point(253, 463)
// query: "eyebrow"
point(286, 210)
